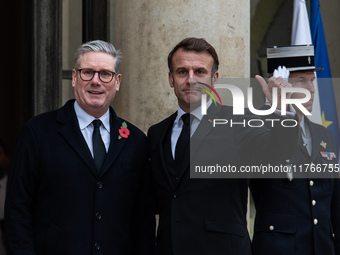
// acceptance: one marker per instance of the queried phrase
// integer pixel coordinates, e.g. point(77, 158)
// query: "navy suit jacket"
point(208, 216)
point(58, 203)
point(301, 216)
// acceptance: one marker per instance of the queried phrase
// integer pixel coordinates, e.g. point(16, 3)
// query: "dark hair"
point(198, 45)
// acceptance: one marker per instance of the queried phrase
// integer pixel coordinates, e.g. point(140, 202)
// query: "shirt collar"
point(303, 125)
point(305, 128)
point(196, 113)
point(86, 119)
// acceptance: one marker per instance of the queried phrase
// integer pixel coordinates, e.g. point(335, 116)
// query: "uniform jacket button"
point(98, 215)
point(99, 185)
point(97, 246)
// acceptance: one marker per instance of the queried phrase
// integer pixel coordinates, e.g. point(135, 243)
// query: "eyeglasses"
point(88, 74)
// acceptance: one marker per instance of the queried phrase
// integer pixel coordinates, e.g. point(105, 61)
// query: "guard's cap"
point(294, 58)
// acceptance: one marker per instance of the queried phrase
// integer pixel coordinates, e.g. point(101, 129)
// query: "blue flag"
point(325, 85)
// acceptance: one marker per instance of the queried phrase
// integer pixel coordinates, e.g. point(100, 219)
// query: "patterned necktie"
point(99, 151)
point(183, 140)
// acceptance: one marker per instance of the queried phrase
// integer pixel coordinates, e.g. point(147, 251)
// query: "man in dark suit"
point(300, 214)
point(75, 188)
point(205, 216)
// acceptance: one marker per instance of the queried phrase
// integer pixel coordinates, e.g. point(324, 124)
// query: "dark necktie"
point(99, 151)
point(183, 140)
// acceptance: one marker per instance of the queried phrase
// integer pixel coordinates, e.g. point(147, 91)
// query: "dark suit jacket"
point(57, 203)
point(208, 216)
point(301, 216)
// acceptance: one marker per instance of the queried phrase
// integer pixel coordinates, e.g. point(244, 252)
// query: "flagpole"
point(301, 35)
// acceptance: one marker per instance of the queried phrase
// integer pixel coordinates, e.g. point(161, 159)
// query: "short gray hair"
point(99, 46)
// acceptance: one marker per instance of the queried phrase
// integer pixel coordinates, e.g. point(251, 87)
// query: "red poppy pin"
point(123, 131)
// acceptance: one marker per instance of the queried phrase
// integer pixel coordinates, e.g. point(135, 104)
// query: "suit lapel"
point(116, 145)
point(70, 131)
point(201, 132)
point(315, 140)
point(303, 148)
point(167, 128)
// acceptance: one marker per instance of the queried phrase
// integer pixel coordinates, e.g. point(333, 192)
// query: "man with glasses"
point(78, 182)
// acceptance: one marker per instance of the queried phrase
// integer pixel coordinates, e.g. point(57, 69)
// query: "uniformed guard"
point(300, 214)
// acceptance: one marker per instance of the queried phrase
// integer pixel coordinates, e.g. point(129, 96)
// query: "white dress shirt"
point(86, 126)
point(178, 125)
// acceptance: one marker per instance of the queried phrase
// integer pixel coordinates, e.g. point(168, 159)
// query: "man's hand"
point(274, 82)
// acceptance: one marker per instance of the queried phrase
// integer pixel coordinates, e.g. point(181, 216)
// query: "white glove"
point(284, 73)
point(281, 71)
